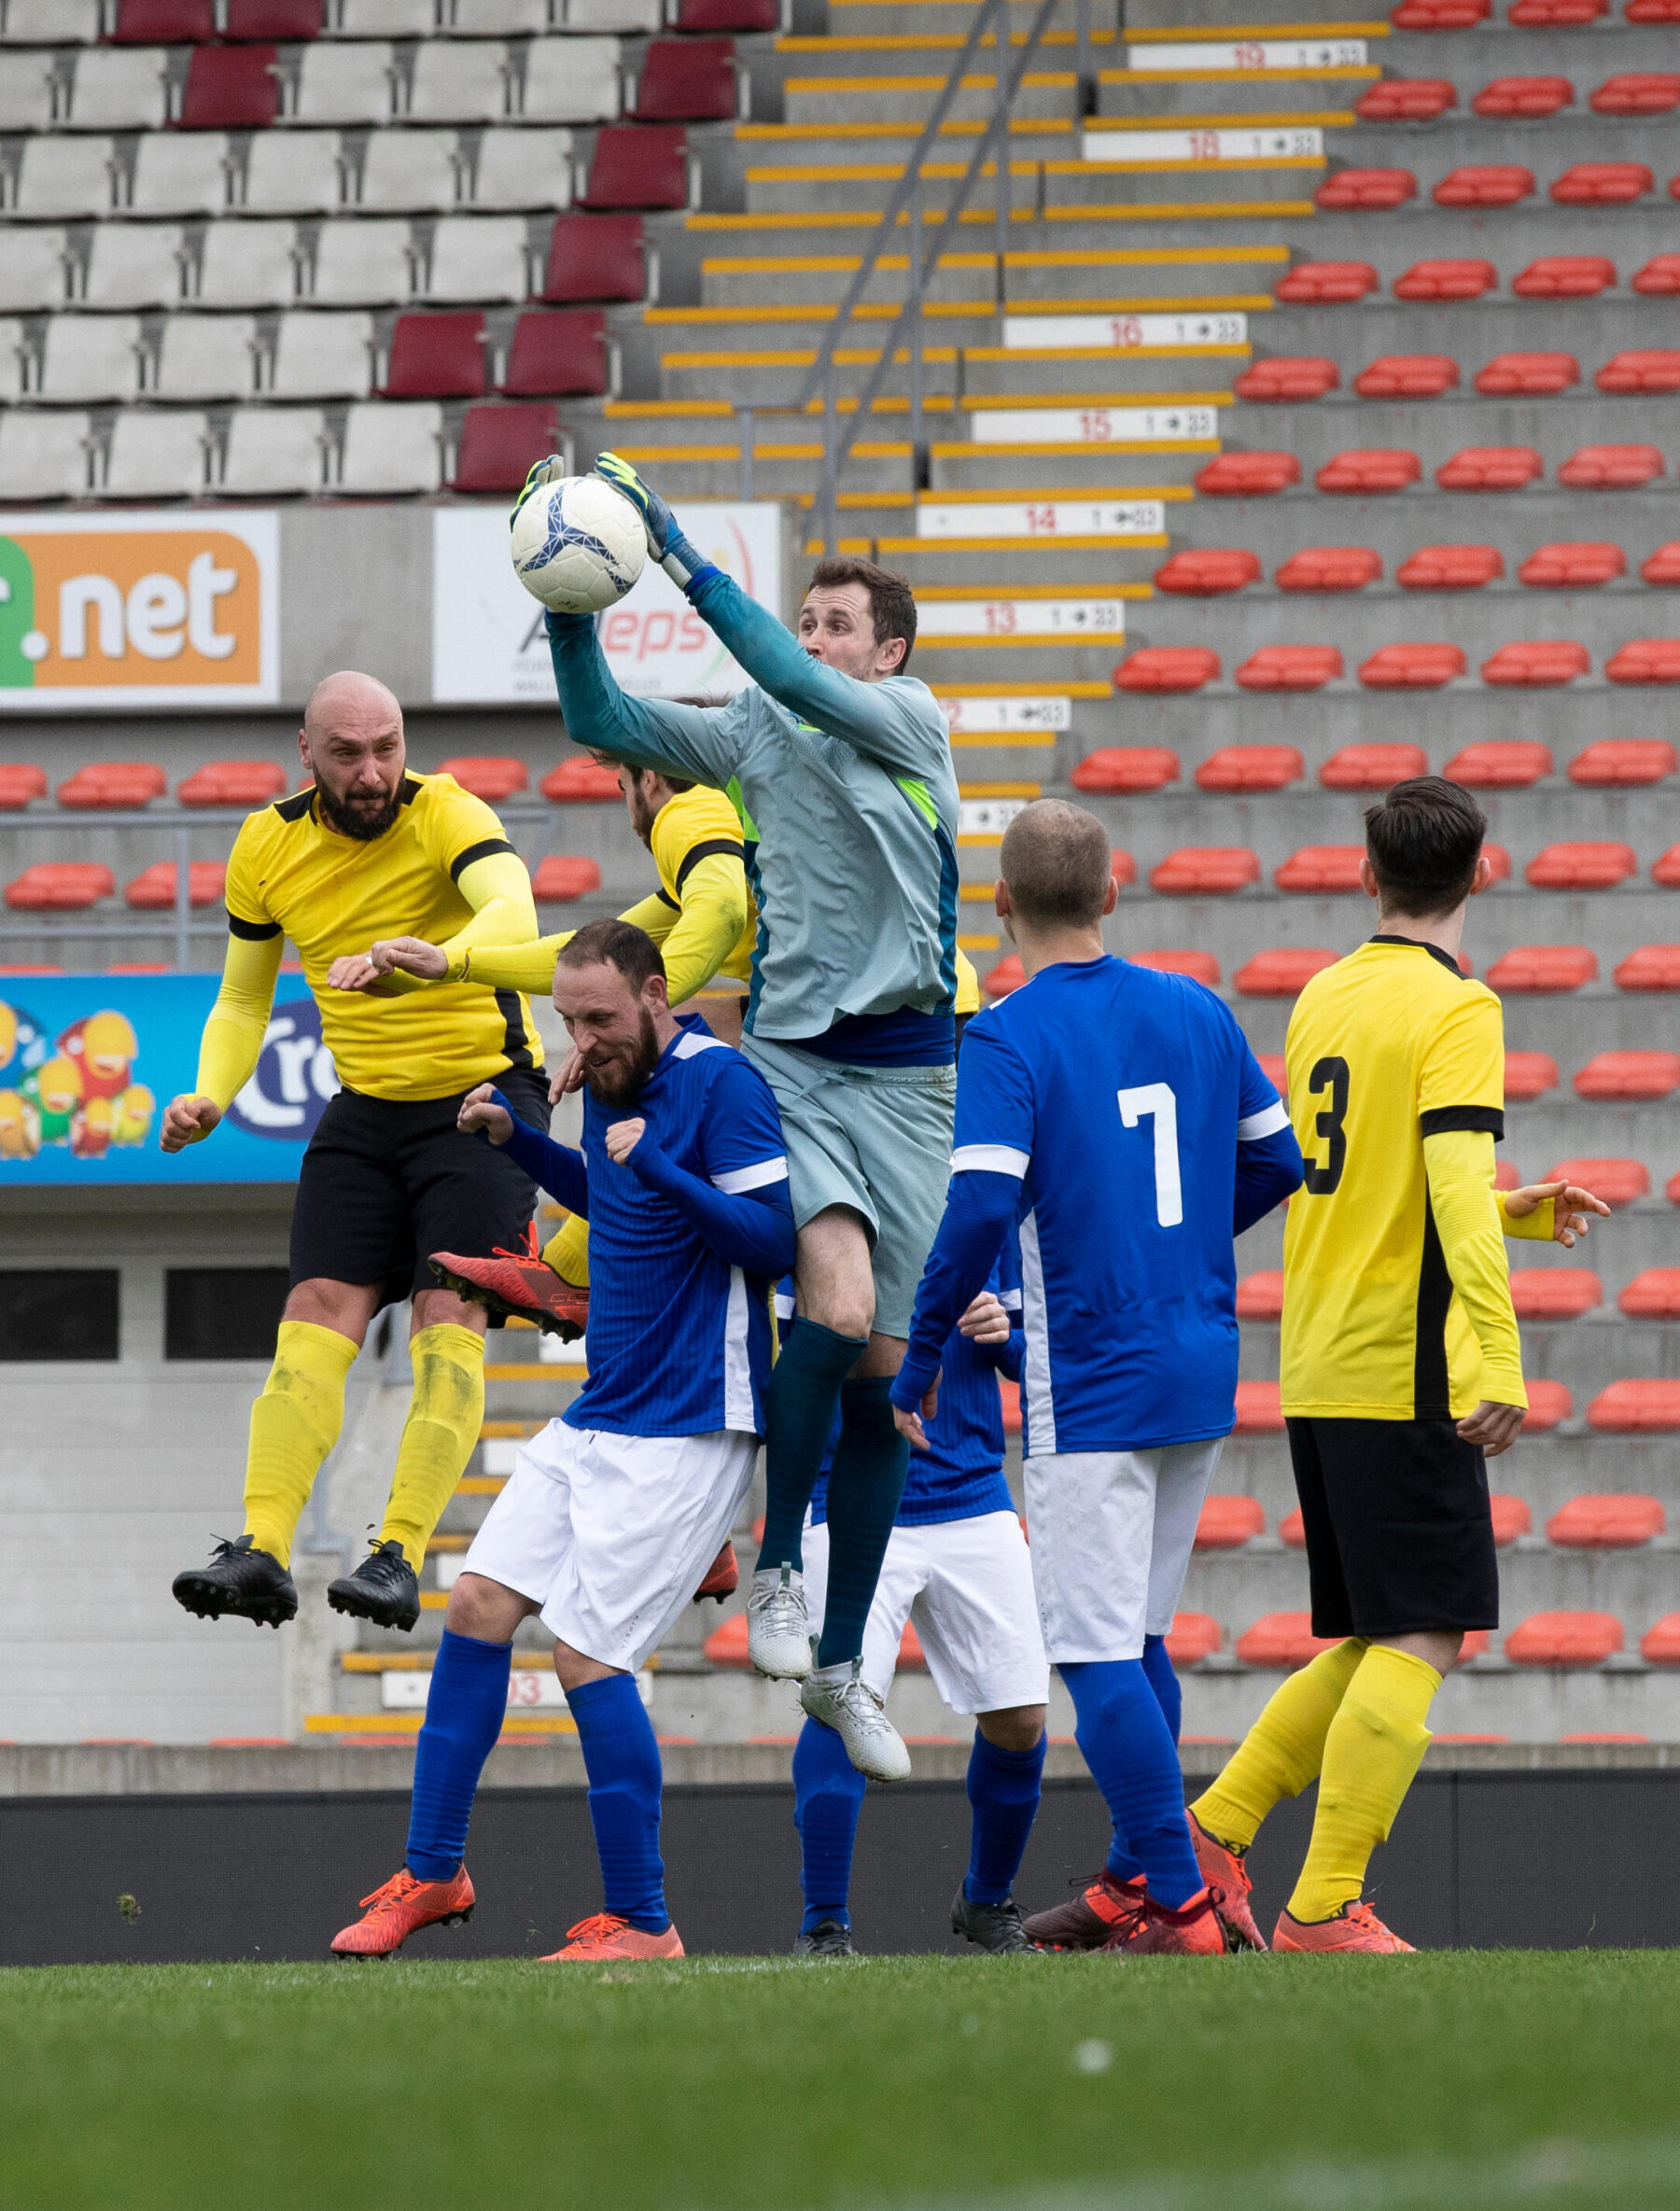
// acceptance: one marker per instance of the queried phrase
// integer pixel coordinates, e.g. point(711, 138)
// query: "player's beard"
point(618, 1084)
point(362, 822)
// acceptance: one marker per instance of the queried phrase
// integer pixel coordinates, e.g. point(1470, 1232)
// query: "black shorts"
point(384, 1184)
point(1399, 1534)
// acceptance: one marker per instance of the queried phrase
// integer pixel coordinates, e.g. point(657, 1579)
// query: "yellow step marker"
point(1172, 211)
point(1140, 257)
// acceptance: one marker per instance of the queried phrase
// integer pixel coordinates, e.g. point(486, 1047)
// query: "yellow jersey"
point(289, 873)
point(691, 827)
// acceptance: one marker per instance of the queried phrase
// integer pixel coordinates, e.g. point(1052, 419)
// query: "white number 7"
point(1155, 1101)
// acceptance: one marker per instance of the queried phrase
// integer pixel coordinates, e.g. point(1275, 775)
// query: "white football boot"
point(779, 1631)
point(841, 1699)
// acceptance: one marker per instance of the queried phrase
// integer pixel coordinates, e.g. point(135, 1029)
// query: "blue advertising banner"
point(88, 1063)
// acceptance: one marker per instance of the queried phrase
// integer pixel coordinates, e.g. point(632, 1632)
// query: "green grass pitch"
point(1455, 2082)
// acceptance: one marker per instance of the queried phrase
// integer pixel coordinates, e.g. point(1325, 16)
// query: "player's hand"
point(359, 971)
point(623, 1138)
point(987, 1321)
point(186, 1120)
point(411, 956)
point(1494, 1426)
point(667, 543)
point(541, 473)
point(910, 1424)
point(479, 1110)
point(568, 1076)
point(1570, 1206)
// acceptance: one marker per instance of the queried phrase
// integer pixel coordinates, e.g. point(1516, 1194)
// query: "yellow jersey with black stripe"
point(289, 873)
point(693, 826)
point(1389, 1046)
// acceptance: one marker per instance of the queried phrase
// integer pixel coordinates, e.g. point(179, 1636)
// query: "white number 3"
point(1155, 1101)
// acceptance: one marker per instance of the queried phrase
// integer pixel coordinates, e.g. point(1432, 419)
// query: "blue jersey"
point(1116, 1097)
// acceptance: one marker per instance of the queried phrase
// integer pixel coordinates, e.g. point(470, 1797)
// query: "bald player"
point(366, 851)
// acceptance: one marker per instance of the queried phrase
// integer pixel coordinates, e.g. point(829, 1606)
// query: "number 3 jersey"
point(1119, 1095)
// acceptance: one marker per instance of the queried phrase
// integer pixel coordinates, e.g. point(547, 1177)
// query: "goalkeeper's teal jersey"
point(851, 790)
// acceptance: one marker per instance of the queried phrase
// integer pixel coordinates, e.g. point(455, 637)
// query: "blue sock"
point(799, 1416)
point(865, 1484)
point(828, 1796)
point(622, 1759)
point(1157, 1668)
point(1004, 1789)
point(464, 1710)
point(1123, 1735)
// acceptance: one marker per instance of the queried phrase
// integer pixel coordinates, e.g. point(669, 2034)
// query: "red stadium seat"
point(1325, 284)
point(1623, 762)
point(1554, 1292)
point(1460, 278)
point(1524, 96)
point(1289, 667)
point(1603, 184)
point(1653, 1294)
point(1611, 468)
point(727, 15)
point(1007, 975)
point(727, 1646)
point(1564, 1639)
point(1542, 969)
point(154, 887)
point(1250, 767)
point(1201, 967)
point(1636, 1408)
point(1564, 277)
point(1529, 1075)
point(580, 779)
point(596, 256)
point(1651, 967)
point(1587, 866)
point(1644, 660)
point(1629, 1075)
point(1618, 1182)
point(1259, 1411)
point(1536, 664)
point(1549, 1404)
point(1527, 375)
point(1451, 567)
point(498, 444)
point(59, 887)
point(1411, 667)
point(1168, 668)
point(1321, 869)
point(1329, 568)
point(437, 357)
point(1500, 764)
point(1366, 189)
point(1284, 1638)
point(18, 784)
point(1490, 467)
point(1260, 1297)
point(1638, 91)
point(490, 775)
point(231, 88)
point(1122, 867)
point(233, 783)
point(1499, 870)
point(1663, 566)
point(1227, 1523)
point(1192, 1637)
point(1205, 871)
point(558, 353)
point(1248, 475)
point(1288, 377)
point(1372, 767)
point(1363, 470)
point(638, 165)
point(1489, 184)
point(290, 20)
point(1652, 11)
point(1666, 870)
point(1555, 15)
point(1407, 100)
point(1651, 369)
point(114, 783)
point(1275, 1068)
point(562, 876)
point(1660, 1645)
point(1506, 1175)
point(1439, 15)
point(1571, 567)
point(687, 81)
point(1510, 1518)
point(1660, 276)
point(162, 22)
point(1208, 572)
point(1292, 1530)
point(1283, 972)
point(1407, 376)
point(1126, 768)
point(1009, 1394)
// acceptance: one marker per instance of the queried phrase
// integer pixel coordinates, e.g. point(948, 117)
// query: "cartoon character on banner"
point(115, 1109)
point(23, 1047)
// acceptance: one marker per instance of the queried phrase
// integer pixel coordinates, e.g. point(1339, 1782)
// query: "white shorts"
point(1111, 1536)
point(968, 1586)
point(610, 1534)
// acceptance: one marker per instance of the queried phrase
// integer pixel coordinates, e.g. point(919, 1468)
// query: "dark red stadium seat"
point(1321, 869)
point(1639, 1075)
point(1564, 277)
point(1250, 767)
point(1552, 1292)
point(1529, 1075)
point(1126, 768)
point(1288, 377)
point(1329, 568)
point(1325, 284)
point(1289, 667)
point(1259, 1410)
point(1524, 96)
point(1663, 566)
point(437, 357)
point(558, 351)
point(1636, 1408)
point(638, 165)
point(1484, 184)
point(1006, 975)
point(596, 256)
point(231, 88)
point(1624, 761)
point(1192, 1637)
point(290, 20)
point(686, 80)
point(1248, 475)
point(18, 784)
point(113, 783)
point(1638, 91)
point(1536, 664)
point(1201, 967)
point(233, 783)
point(1588, 865)
point(562, 876)
point(1527, 375)
point(1407, 100)
point(498, 444)
point(727, 15)
point(59, 887)
point(1407, 376)
point(1550, 1404)
point(1285, 1639)
point(1411, 667)
point(1653, 1294)
point(162, 22)
point(1618, 1182)
point(1646, 660)
point(1159, 668)
point(1366, 469)
point(1206, 572)
point(154, 887)
point(1529, 970)
point(1451, 567)
point(1611, 468)
point(1603, 184)
point(1260, 1297)
point(490, 775)
point(1564, 1639)
point(580, 779)
point(1490, 467)
point(1648, 368)
point(1283, 972)
point(1649, 967)
point(1366, 189)
point(1227, 1523)
point(1660, 276)
point(1460, 278)
point(1439, 15)
point(1660, 1645)
point(1573, 567)
point(1497, 763)
point(1205, 871)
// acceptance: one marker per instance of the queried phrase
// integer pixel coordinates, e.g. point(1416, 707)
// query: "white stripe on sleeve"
point(995, 1159)
point(739, 1179)
point(1267, 1122)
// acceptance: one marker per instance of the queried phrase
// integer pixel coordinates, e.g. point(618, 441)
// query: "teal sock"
point(866, 1481)
point(799, 1418)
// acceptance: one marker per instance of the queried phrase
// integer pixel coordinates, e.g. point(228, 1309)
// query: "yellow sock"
point(294, 1424)
point(1375, 1745)
point(445, 1414)
point(1283, 1749)
point(568, 1251)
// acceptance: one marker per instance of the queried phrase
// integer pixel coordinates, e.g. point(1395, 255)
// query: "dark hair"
point(892, 602)
point(1056, 862)
point(673, 782)
point(614, 944)
point(1424, 841)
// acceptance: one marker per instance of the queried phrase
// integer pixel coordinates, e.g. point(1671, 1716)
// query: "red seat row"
point(128, 784)
point(1551, 1639)
point(1421, 98)
point(1497, 184)
point(1612, 1521)
point(1293, 378)
point(554, 350)
point(180, 22)
point(1491, 765)
point(1365, 471)
point(1206, 572)
point(72, 886)
point(1533, 663)
point(1525, 15)
point(1335, 284)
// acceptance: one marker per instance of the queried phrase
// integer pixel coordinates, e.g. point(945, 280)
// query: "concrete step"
point(924, 53)
point(866, 184)
point(851, 18)
point(869, 99)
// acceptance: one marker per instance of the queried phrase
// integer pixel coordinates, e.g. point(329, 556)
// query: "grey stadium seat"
point(50, 22)
point(390, 448)
point(500, 19)
point(292, 172)
point(323, 356)
point(119, 87)
point(208, 356)
point(247, 264)
point(31, 268)
point(91, 356)
point(156, 455)
point(11, 358)
point(273, 449)
point(180, 172)
point(612, 15)
point(387, 19)
point(409, 169)
point(26, 91)
point(524, 169)
point(343, 84)
point(358, 263)
point(43, 455)
point(64, 175)
point(479, 257)
point(463, 82)
point(571, 80)
point(135, 265)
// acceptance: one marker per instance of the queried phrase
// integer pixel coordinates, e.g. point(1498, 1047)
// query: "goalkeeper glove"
point(665, 541)
point(542, 472)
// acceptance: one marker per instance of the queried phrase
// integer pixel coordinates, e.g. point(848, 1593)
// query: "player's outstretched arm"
point(232, 1039)
point(752, 1228)
point(701, 934)
point(1458, 1164)
point(555, 1167)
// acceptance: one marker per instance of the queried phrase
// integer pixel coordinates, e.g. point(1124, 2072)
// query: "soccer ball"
point(578, 545)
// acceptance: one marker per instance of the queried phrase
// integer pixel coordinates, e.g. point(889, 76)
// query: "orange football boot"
point(722, 1576)
point(1228, 1885)
point(604, 1936)
point(517, 1285)
point(1194, 1931)
point(1103, 1908)
point(391, 1914)
point(1355, 1927)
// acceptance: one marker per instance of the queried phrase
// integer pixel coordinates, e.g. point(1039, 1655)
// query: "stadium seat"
point(1283, 972)
point(1205, 871)
point(1289, 667)
point(1010, 1396)
point(154, 887)
point(1552, 1292)
point(1193, 1637)
point(1366, 189)
point(391, 448)
point(1646, 660)
point(1536, 664)
point(1407, 376)
point(1629, 1075)
point(1439, 15)
point(1498, 763)
point(18, 784)
point(437, 357)
point(1644, 1407)
point(1603, 184)
point(686, 80)
point(1248, 475)
point(1493, 184)
point(1663, 566)
point(581, 780)
point(1618, 1182)
point(1321, 869)
point(1325, 284)
point(1506, 1175)
point(1329, 568)
point(594, 257)
point(1555, 15)
point(162, 22)
point(1250, 767)
point(562, 876)
point(1407, 100)
point(1208, 572)
point(1650, 369)
point(1653, 1294)
point(1586, 866)
point(1652, 11)
point(1134, 768)
point(1524, 96)
point(1564, 1639)
point(1499, 865)
point(290, 19)
point(231, 88)
point(1660, 276)
point(1611, 468)
point(1573, 567)
point(1638, 91)
point(1490, 467)
point(1527, 375)
point(1201, 967)
point(1260, 1297)
point(233, 783)
point(1456, 278)
point(558, 351)
point(490, 775)
point(725, 15)
point(1292, 1530)
point(1165, 668)
point(726, 1645)
point(1650, 967)
point(1529, 1075)
point(1227, 1523)
point(1550, 1404)
point(1510, 1516)
point(1288, 377)
point(1660, 1645)
point(1259, 1411)
point(1364, 470)
point(1007, 975)
point(1122, 867)
point(1666, 871)
point(113, 783)
point(60, 887)
point(1451, 567)
point(273, 449)
point(1620, 762)
point(1411, 667)
point(643, 165)
point(498, 445)
point(1542, 969)
point(1564, 277)
point(1275, 1068)
point(1284, 1639)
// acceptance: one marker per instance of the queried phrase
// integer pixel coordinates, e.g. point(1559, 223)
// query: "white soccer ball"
point(578, 545)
